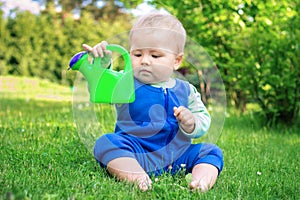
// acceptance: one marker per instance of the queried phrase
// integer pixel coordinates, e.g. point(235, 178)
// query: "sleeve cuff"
point(199, 131)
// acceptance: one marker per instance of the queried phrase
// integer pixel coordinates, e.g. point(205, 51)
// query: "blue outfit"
point(148, 131)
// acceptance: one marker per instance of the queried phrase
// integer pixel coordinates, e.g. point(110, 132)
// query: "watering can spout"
point(105, 84)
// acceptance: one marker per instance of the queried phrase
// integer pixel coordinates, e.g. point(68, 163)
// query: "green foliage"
point(4, 37)
point(271, 55)
point(43, 157)
point(42, 45)
point(255, 45)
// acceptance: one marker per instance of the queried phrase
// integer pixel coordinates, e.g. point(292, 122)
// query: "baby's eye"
point(137, 55)
point(156, 56)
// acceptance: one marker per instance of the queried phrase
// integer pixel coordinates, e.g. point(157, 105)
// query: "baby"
point(154, 134)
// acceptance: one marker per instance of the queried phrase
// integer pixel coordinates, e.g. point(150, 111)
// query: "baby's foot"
point(200, 185)
point(144, 183)
point(204, 177)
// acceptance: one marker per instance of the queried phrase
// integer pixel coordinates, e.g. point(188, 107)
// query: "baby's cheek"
point(133, 61)
point(134, 64)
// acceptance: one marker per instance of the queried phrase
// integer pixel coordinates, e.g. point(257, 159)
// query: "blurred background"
point(255, 45)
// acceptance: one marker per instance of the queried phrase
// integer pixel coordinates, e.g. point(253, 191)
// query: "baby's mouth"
point(143, 70)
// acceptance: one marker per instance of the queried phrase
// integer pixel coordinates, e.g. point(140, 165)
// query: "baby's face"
point(153, 57)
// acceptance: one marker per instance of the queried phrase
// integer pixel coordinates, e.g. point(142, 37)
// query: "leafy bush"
point(256, 46)
point(271, 56)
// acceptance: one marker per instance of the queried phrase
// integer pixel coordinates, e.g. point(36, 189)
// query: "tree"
point(42, 45)
point(4, 38)
point(272, 60)
point(255, 46)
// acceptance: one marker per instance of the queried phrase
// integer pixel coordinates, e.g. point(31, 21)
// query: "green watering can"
point(105, 84)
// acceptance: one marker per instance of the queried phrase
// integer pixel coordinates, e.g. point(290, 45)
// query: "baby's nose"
point(145, 60)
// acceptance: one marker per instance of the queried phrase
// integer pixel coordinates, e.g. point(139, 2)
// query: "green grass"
point(43, 157)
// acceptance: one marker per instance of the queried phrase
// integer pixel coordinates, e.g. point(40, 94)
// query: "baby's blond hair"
point(163, 22)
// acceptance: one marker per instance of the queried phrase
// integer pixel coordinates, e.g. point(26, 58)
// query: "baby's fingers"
point(92, 49)
point(101, 49)
point(98, 50)
point(87, 47)
point(177, 110)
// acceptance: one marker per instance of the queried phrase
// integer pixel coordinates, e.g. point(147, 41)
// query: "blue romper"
point(148, 131)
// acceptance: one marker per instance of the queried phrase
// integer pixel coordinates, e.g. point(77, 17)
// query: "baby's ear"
point(178, 61)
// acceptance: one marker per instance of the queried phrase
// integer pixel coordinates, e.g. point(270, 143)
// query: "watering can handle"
point(123, 52)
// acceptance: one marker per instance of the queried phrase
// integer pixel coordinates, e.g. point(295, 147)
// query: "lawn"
point(44, 157)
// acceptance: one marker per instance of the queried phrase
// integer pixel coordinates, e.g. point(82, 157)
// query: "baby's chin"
point(145, 81)
point(148, 81)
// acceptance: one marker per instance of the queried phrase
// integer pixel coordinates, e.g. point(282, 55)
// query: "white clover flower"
point(258, 173)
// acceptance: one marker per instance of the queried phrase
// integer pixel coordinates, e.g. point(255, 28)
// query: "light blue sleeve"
point(202, 117)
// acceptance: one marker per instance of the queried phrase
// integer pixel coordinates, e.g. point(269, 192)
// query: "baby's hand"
point(99, 50)
point(185, 118)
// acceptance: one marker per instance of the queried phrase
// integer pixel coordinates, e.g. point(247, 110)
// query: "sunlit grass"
point(33, 88)
point(44, 157)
